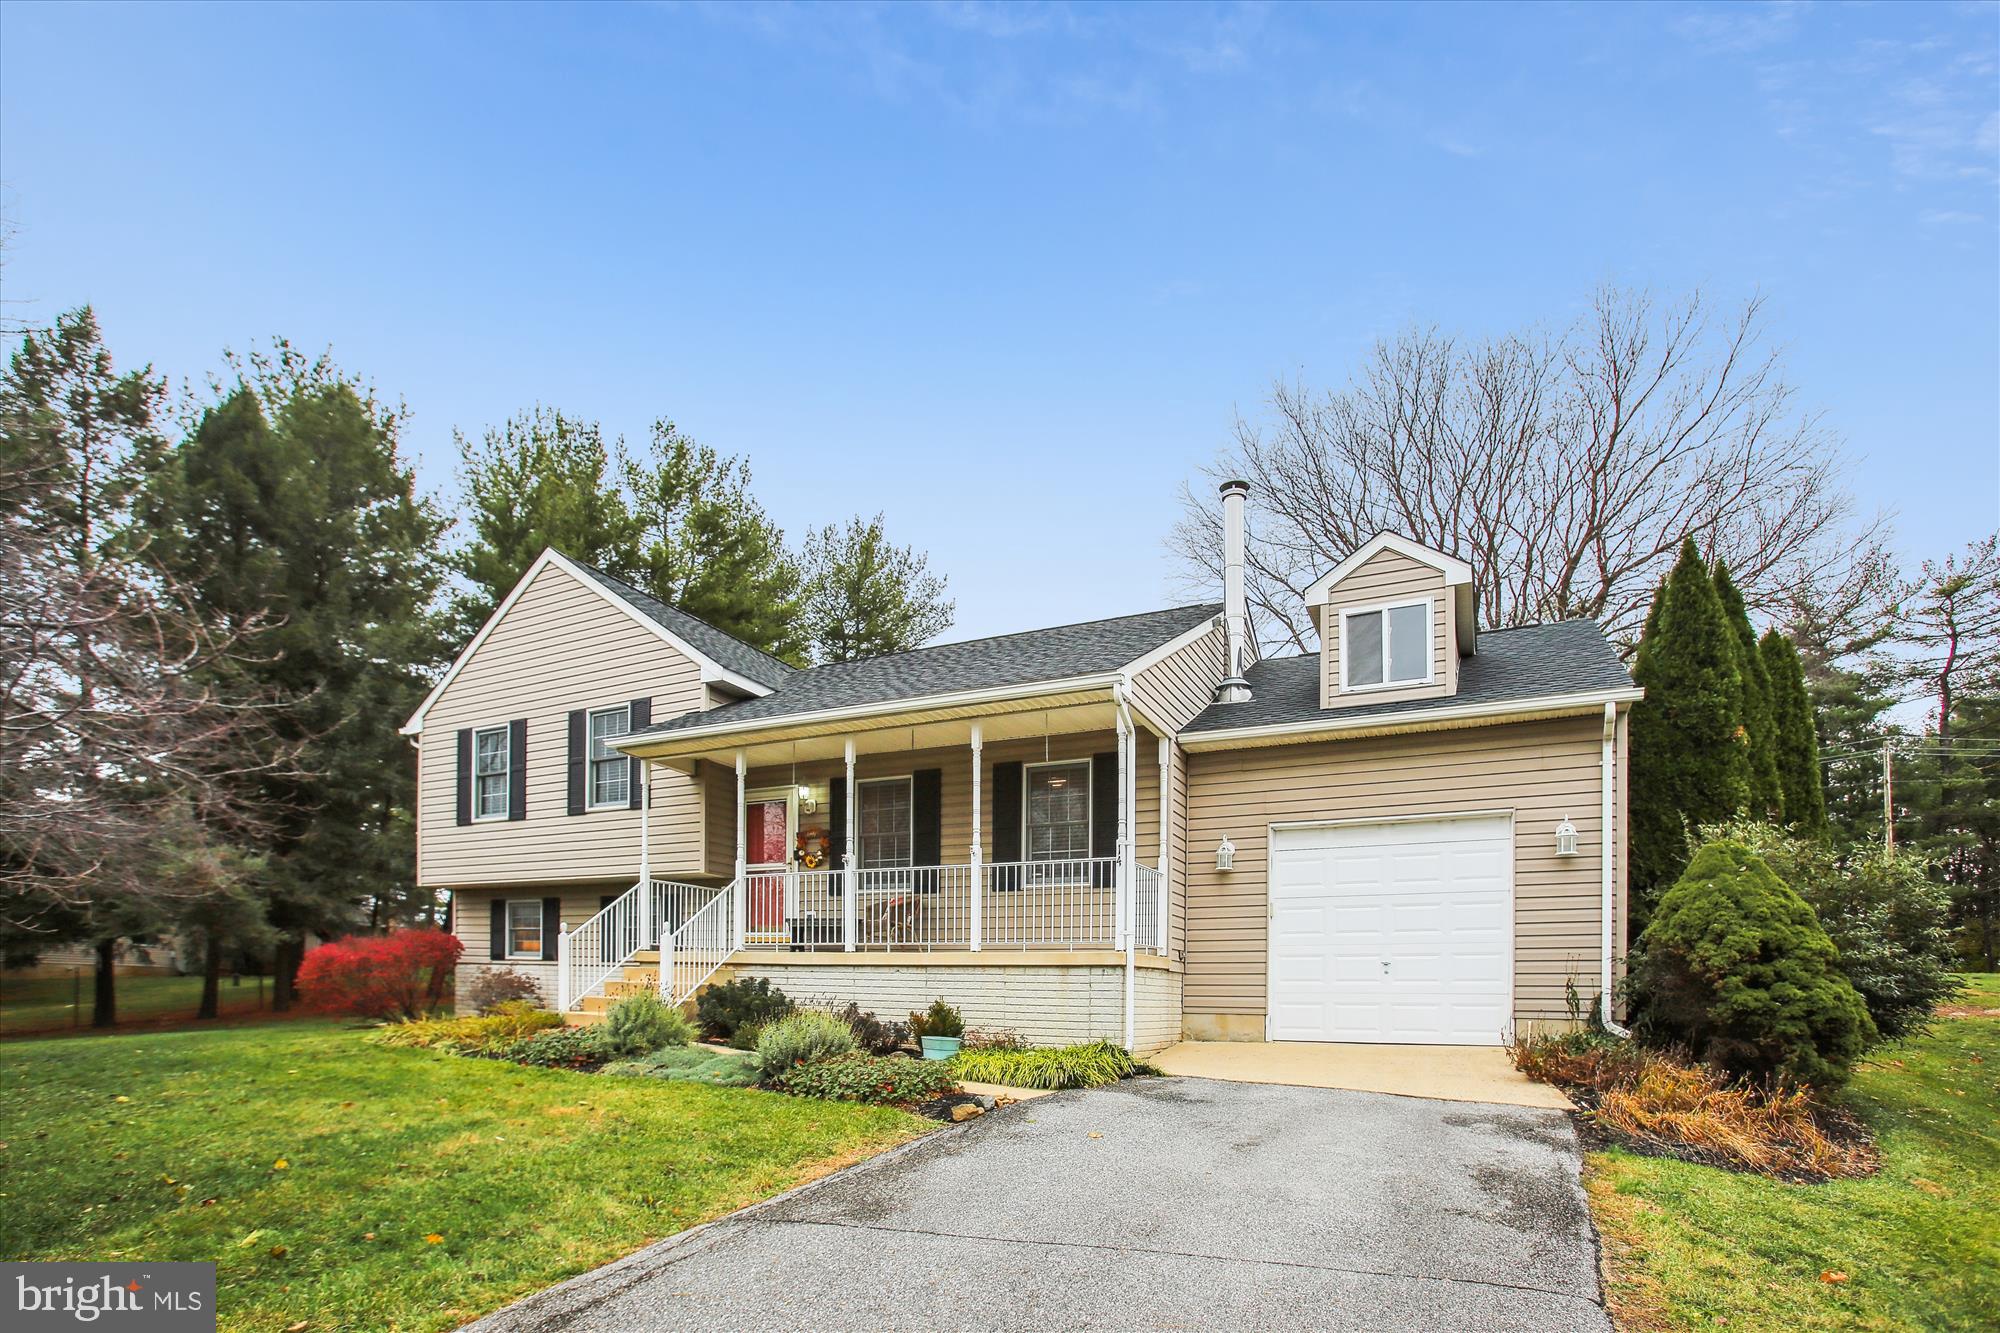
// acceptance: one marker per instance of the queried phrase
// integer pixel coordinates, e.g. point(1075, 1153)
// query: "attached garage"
point(1398, 930)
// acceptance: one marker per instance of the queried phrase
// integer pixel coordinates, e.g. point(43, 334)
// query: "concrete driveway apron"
point(1158, 1204)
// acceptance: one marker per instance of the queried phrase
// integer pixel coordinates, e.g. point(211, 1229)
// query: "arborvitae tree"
point(1759, 716)
point(1690, 759)
point(543, 479)
point(865, 595)
point(1797, 749)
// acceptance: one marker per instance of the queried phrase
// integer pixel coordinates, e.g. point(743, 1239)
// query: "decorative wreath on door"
point(812, 848)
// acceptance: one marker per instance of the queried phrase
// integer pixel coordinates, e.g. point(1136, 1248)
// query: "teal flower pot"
point(941, 1048)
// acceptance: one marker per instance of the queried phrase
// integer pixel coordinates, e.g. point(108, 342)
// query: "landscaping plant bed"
point(1657, 1104)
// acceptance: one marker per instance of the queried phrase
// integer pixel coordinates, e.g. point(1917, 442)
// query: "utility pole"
point(1888, 806)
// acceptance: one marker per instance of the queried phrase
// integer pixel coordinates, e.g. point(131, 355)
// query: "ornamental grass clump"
point(641, 1024)
point(1094, 1064)
point(508, 1023)
point(800, 1038)
point(1736, 967)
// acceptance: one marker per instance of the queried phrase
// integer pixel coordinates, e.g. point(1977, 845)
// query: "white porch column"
point(646, 920)
point(562, 969)
point(978, 906)
point(740, 892)
point(850, 908)
point(1166, 857)
point(1128, 792)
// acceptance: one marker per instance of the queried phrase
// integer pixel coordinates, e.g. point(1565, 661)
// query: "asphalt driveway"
point(1160, 1203)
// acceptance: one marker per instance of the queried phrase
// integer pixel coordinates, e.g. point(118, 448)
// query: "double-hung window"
point(886, 811)
point(1057, 811)
point(491, 762)
point(610, 771)
point(524, 928)
point(1386, 645)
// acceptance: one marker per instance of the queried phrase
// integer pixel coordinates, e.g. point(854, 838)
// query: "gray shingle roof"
point(1568, 657)
point(719, 645)
point(1060, 653)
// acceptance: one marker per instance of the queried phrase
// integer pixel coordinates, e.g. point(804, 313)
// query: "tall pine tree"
point(1797, 749)
point(1690, 759)
point(1759, 723)
point(866, 596)
point(290, 499)
point(543, 479)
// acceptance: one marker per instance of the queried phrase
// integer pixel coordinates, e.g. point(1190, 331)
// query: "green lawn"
point(1694, 1247)
point(45, 1004)
point(317, 1169)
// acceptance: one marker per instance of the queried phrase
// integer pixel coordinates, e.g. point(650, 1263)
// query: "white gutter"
point(1416, 719)
point(1608, 905)
point(859, 712)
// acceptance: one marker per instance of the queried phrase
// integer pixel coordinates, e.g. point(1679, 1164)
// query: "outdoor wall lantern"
point(807, 805)
point(1565, 838)
point(1225, 855)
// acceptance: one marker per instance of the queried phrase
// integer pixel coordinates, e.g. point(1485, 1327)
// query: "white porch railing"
point(690, 954)
point(598, 950)
point(1147, 918)
point(1070, 904)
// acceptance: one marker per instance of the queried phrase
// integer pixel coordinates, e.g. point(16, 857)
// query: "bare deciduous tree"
point(1567, 470)
point(1950, 623)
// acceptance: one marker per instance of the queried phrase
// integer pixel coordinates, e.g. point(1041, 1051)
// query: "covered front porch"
point(1028, 827)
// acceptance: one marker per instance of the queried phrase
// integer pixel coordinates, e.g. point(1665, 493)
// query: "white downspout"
point(1608, 907)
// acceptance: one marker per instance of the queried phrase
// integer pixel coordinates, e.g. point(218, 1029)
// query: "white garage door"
point(1393, 932)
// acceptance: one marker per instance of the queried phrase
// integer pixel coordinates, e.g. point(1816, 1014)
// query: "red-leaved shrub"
point(407, 974)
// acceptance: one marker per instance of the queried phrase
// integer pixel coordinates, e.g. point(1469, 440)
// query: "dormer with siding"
point(1395, 618)
point(517, 781)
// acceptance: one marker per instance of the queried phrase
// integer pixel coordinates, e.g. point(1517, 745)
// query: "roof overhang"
point(1331, 726)
point(941, 713)
point(712, 671)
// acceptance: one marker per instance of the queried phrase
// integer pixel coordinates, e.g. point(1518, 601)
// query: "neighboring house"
point(1127, 828)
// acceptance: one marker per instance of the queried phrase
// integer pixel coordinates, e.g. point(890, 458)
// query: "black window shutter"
point(551, 927)
point(499, 939)
point(642, 717)
point(579, 754)
point(517, 770)
point(836, 830)
point(927, 823)
point(1006, 792)
point(465, 776)
point(450, 912)
point(1103, 813)
point(607, 946)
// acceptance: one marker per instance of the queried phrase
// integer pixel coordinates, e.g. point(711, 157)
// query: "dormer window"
point(1386, 645)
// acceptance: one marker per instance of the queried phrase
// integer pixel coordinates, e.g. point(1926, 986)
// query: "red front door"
point(767, 851)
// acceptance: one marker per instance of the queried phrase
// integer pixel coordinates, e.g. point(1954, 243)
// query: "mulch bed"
point(1837, 1123)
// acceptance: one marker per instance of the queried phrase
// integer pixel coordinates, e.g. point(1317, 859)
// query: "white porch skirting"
point(1050, 1000)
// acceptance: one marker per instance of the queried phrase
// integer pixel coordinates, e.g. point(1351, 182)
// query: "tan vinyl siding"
point(1537, 771)
point(561, 646)
point(1172, 691)
point(472, 922)
point(1386, 577)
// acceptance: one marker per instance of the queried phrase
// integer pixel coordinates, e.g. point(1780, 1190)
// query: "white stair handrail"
point(691, 954)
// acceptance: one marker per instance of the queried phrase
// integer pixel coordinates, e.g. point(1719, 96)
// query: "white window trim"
point(590, 761)
point(541, 928)
point(506, 731)
point(1089, 808)
point(908, 780)
point(1430, 644)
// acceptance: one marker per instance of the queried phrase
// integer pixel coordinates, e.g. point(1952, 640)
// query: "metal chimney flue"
point(1235, 608)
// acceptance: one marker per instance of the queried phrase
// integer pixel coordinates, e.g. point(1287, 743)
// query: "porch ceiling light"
point(1565, 838)
point(1225, 855)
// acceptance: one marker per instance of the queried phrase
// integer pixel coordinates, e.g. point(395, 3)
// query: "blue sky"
point(1012, 270)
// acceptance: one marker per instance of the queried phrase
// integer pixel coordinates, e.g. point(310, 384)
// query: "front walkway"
point(1159, 1203)
point(1446, 1073)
